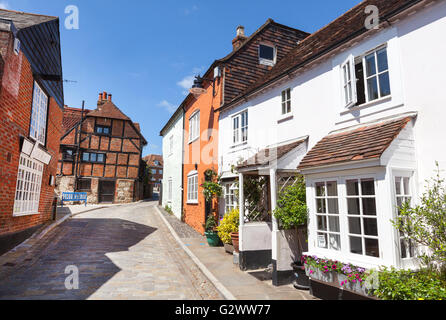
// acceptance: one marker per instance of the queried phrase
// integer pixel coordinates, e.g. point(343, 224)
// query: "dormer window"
point(267, 55)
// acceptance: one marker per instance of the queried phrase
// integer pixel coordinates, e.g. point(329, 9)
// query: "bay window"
point(39, 115)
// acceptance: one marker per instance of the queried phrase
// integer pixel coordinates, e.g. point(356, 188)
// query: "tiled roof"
point(108, 110)
point(364, 143)
point(71, 117)
point(268, 155)
point(24, 20)
point(344, 28)
point(150, 159)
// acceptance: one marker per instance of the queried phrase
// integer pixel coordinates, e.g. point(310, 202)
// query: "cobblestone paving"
point(125, 252)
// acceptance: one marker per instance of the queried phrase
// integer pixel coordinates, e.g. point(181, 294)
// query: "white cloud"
point(4, 5)
point(168, 106)
point(187, 82)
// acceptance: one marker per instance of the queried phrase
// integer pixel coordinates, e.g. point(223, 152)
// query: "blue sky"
point(146, 52)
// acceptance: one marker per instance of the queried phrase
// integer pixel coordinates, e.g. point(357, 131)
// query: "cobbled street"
point(123, 252)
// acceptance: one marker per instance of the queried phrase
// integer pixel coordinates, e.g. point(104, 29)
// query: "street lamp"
point(197, 89)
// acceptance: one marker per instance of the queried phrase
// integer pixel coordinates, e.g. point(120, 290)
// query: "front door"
point(106, 191)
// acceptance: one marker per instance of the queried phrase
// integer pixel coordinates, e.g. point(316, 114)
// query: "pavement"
point(240, 285)
point(120, 253)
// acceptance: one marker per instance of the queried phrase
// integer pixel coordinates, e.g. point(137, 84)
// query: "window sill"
point(367, 104)
point(192, 202)
point(285, 117)
point(17, 215)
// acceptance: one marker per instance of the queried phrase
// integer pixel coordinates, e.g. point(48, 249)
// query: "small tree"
point(426, 223)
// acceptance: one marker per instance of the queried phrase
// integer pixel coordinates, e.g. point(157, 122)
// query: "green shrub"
point(210, 223)
point(168, 210)
point(228, 225)
point(292, 210)
point(410, 285)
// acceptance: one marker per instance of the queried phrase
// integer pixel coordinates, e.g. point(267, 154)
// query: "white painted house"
point(363, 111)
point(172, 186)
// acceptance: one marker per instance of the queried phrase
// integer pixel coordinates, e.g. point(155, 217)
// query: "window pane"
point(406, 186)
point(372, 86)
point(370, 64)
point(322, 240)
point(398, 186)
point(368, 187)
point(266, 52)
point(93, 157)
point(403, 249)
point(106, 130)
point(371, 247)
point(334, 224)
point(320, 189)
point(98, 129)
point(335, 242)
point(320, 204)
point(333, 206)
point(353, 206)
point(283, 108)
point(100, 158)
point(384, 84)
point(86, 157)
point(352, 188)
point(356, 245)
point(322, 223)
point(354, 225)
point(283, 96)
point(382, 60)
point(332, 189)
point(369, 206)
point(370, 227)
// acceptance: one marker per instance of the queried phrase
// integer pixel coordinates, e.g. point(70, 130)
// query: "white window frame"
point(348, 77)
point(348, 80)
point(377, 74)
point(286, 101)
point(229, 193)
point(194, 126)
point(28, 187)
point(268, 62)
point(39, 113)
point(403, 174)
point(192, 187)
point(240, 132)
point(327, 215)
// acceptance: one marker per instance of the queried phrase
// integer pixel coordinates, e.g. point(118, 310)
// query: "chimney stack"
point(103, 98)
point(240, 38)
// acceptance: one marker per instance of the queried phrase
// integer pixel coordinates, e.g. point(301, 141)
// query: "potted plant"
point(211, 235)
point(292, 215)
point(229, 225)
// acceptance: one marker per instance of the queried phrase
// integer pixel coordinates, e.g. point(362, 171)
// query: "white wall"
point(173, 166)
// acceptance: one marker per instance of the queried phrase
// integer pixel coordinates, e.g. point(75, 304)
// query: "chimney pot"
point(240, 38)
point(240, 31)
point(109, 97)
point(104, 95)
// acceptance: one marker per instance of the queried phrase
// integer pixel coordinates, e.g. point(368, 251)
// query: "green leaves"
point(292, 210)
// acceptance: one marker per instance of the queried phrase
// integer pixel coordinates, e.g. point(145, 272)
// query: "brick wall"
point(15, 115)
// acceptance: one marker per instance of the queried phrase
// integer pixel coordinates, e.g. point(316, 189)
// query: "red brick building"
point(101, 154)
point(155, 171)
point(31, 107)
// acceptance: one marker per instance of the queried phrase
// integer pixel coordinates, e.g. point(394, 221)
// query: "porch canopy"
point(271, 168)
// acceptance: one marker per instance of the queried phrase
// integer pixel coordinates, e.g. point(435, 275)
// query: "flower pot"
point(212, 238)
point(322, 276)
point(234, 237)
point(356, 287)
point(229, 248)
point(302, 281)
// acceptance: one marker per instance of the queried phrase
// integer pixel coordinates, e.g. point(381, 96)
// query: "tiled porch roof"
point(267, 156)
point(364, 143)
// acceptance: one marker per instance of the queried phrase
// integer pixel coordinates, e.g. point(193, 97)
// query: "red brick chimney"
point(103, 98)
point(240, 38)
